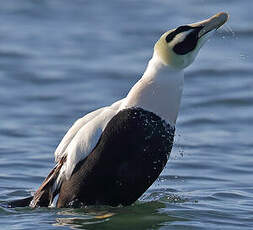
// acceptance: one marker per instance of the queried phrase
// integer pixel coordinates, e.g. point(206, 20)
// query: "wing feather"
point(60, 150)
point(81, 122)
point(86, 139)
point(82, 137)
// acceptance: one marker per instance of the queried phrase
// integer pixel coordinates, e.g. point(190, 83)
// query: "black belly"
point(130, 155)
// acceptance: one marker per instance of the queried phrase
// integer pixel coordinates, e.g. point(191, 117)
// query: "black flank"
point(130, 155)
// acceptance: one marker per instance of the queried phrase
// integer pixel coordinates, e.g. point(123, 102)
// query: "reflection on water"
point(139, 216)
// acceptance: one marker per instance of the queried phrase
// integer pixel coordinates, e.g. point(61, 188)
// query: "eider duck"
point(111, 156)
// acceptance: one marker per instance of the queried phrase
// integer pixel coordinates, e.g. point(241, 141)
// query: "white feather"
point(60, 150)
point(86, 139)
point(73, 131)
point(159, 91)
point(81, 138)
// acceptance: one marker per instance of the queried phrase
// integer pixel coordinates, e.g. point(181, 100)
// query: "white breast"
point(158, 91)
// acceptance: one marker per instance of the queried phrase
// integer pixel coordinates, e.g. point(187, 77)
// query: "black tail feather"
point(20, 203)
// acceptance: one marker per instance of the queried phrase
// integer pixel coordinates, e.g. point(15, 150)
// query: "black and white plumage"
point(112, 155)
point(130, 154)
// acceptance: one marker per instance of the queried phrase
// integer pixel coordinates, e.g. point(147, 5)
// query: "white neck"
point(158, 91)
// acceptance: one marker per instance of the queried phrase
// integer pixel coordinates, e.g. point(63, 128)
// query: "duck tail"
point(20, 203)
point(45, 194)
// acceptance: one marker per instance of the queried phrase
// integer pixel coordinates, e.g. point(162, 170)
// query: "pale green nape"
point(162, 49)
point(165, 51)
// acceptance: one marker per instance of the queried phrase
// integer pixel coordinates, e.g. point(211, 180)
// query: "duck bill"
point(211, 24)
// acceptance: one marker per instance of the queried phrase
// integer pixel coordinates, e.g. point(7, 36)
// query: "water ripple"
point(61, 59)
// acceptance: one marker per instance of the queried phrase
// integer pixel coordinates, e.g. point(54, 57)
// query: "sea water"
point(61, 59)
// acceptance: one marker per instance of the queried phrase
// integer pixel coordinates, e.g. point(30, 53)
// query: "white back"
point(80, 123)
point(86, 139)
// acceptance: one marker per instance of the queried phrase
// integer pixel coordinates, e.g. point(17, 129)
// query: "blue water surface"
point(60, 59)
